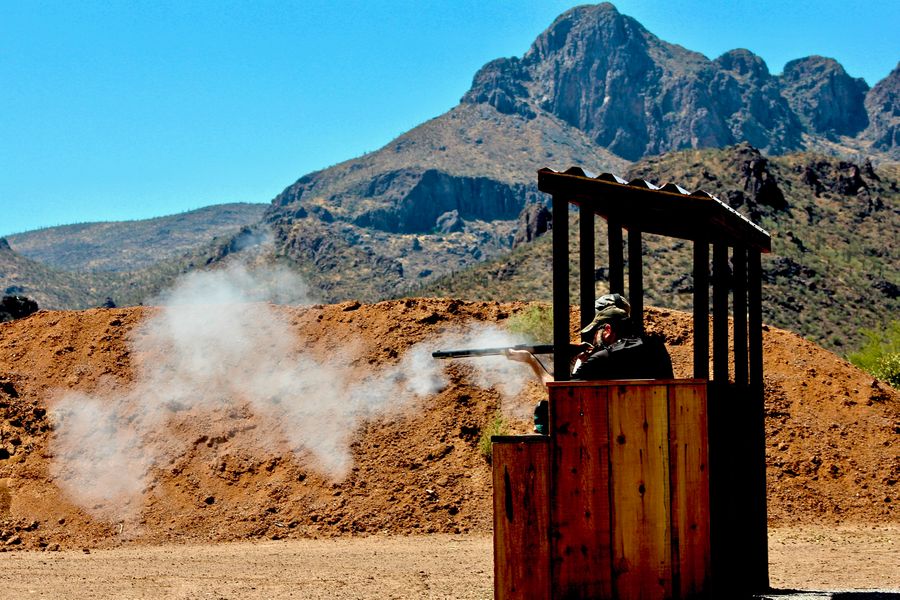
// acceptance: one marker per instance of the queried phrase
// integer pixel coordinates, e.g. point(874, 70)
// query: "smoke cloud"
point(216, 346)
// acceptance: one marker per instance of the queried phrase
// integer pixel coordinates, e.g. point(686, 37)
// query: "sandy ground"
point(812, 559)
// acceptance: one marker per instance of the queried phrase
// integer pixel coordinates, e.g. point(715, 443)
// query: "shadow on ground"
point(809, 595)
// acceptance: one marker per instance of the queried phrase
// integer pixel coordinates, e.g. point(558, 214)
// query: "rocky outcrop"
point(16, 307)
point(760, 182)
point(409, 200)
point(449, 222)
point(883, 107)
point(534, 221)
point(415, 201)
point(749, 98)
point(500, 84)
point(825, 98)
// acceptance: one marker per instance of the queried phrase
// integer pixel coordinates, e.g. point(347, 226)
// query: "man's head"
point(611, 317)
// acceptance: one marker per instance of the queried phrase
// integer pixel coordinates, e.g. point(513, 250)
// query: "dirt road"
point(421, 567)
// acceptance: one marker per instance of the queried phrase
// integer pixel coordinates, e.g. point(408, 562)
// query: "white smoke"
point(216, 346)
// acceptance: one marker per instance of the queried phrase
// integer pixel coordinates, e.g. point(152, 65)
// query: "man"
point(616, 353)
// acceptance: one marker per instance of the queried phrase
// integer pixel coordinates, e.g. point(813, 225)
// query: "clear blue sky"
point(118, 109)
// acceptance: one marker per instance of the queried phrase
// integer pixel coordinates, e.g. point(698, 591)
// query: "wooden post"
point(586, 252)
point(521, 473)
point(724, 528)
point(720, 313)
point(636, 280)
point(701, 309)
point(616, 258)
point(757, 431)
point(741, 366)
point(561, 288)
point(754, 278)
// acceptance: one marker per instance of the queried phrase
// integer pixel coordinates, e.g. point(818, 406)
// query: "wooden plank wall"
point(521, 473)
point(689, 476)
point(580, 511)
point(613, 503)
point(639, 461)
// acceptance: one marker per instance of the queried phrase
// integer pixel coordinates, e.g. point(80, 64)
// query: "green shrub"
point(535, 323)
point(498, 425)
point(880, 355)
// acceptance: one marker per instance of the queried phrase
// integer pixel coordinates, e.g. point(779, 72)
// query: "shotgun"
point(471, 352)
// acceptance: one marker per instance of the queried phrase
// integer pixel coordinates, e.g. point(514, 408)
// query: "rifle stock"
point(472, 352)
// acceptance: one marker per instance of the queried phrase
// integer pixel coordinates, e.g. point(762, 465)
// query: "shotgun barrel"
point(472, 352)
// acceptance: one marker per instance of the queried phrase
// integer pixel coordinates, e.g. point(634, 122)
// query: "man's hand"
point(522, 356)
point(584, 351)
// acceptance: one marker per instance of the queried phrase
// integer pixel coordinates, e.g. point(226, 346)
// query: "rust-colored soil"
point(832, 435)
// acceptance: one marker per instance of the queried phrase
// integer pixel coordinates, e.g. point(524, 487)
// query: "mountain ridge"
point(444, 197)
point(134, 244)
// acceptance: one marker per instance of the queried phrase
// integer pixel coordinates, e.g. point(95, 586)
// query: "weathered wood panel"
point(689, 475)
point(521, 472)
point(580, 534)
point(639, 462)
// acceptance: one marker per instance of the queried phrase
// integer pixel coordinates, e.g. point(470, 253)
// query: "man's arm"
point(523, 356)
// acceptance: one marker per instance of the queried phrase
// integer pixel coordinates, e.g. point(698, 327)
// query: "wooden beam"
point(636, 279)
point(754, 279)
point(616, 258)
point(561, 288)
point(701, 309)
point(660, 211)
point(759, 567)
point(720, 313)
point(587, 250)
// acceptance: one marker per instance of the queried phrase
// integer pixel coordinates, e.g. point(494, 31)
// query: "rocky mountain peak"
point(883, 108)
point(827, 100)
point(744, 64)
point(595, 30)
point(603, 73)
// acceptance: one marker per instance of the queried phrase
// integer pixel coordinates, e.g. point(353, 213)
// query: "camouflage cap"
point(609, 307)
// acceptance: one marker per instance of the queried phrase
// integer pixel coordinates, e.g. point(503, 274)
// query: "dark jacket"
point(628, 358)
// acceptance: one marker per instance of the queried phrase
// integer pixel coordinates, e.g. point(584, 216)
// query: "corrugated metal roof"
point(666, 210)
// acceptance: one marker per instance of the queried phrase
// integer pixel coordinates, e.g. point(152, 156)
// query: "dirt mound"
point(831, 432)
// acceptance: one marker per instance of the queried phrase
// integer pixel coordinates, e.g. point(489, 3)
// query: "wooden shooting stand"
point(653, 488)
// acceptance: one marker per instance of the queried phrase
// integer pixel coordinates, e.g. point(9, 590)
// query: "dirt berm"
point(832, 435)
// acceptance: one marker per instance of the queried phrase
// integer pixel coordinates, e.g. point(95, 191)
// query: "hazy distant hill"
point(51, 287)
point(132, 245)
point(55, 288)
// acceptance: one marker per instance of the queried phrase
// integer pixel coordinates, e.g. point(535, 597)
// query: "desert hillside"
point(144, 425)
